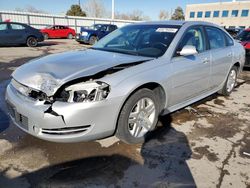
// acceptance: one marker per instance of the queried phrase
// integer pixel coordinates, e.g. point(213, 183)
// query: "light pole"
point(113, 9)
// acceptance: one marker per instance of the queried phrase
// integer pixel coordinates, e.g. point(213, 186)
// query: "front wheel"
point(92, 40)
point(230, 83)
point(138, 117)
point(31, 42)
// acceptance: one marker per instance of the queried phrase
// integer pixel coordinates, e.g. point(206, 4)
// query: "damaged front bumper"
point(63, 121)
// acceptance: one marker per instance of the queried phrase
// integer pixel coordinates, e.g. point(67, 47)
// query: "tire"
point(31, 42)
point(134, 122)
point(70, 36)
point(93, 40)
point(231, 82)
point(46, 36)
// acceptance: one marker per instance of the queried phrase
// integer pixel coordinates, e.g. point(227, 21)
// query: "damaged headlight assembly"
point(84, 92)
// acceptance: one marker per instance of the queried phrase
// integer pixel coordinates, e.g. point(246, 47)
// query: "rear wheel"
point(70, 36)
point(32, 42)
point(138, 116)
point(230, 83)
point(92, 40)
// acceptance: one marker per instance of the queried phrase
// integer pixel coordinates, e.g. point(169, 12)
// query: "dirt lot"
point(202, 145)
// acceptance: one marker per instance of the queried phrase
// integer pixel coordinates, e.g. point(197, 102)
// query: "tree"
point(75, 10)
point(30, 8)
point(163, 15)
point(95, 8)
point(178, 14)
point(136, 15)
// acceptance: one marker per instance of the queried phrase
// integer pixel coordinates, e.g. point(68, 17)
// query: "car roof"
point(248, 29)
point(58, 25)
point(14, 23)
point(176, 22)
point(104, 24)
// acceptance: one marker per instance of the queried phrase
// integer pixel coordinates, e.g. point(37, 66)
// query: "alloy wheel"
point(231, 80)
point(141, 117)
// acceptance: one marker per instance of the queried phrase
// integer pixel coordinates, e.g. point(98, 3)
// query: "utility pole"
point(113, 9)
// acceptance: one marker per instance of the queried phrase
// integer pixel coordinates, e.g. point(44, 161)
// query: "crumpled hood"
point(64, 67)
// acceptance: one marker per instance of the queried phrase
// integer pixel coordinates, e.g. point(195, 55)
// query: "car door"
point(103, 31)
point(63, 31)
point(221, 55)
point(191, 74)
point(53, 31)
point(4, 33)
point(18, 33)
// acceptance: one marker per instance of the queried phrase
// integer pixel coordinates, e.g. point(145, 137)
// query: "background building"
point(229, 14)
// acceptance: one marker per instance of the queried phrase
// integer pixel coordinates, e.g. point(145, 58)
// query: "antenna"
point(113, 9)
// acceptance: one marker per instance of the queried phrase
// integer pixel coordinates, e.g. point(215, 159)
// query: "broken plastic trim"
point(52, 112)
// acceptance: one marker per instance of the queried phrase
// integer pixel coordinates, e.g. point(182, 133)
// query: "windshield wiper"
point(116, 51)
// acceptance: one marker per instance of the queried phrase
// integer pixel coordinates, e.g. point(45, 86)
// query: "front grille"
point(66, 130)
point(20, 119)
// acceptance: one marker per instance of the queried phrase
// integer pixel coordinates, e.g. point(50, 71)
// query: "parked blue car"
point(90, 35)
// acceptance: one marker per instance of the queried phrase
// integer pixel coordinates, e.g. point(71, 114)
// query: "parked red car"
point(58, 31)
point(244, 38)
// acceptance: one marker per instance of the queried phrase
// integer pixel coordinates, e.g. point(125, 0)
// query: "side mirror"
point(188, 50)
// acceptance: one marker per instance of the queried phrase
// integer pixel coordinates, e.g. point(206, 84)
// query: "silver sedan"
point(124, 82)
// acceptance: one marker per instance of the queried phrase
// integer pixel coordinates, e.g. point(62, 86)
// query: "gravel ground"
point(204, 145)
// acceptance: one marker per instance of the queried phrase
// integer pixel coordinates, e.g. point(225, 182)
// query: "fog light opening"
point(35, 129)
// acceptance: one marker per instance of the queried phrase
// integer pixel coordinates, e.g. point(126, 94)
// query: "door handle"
point(229, 55)
point(205, 60)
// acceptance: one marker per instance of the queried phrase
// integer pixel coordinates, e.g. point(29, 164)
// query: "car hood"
point(64, 67)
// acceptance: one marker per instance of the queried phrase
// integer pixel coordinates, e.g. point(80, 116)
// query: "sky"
point(150, 8)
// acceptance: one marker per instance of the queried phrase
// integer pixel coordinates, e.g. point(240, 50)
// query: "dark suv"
point(12, 33)
point(95, 32)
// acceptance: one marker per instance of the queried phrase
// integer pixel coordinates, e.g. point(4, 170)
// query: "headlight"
point(85, 92)
point(84, 34)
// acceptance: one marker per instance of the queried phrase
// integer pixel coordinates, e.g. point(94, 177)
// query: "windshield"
point(243, 36)
point(143, 40)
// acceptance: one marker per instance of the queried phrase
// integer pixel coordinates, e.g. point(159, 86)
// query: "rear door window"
point(215, 37)
point(17, 27)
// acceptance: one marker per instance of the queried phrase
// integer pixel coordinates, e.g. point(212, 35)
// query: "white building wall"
point(228, 21)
